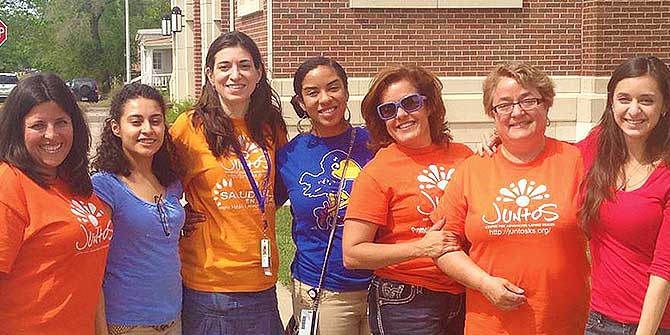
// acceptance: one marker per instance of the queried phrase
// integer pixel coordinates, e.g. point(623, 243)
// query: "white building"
point(155, 53)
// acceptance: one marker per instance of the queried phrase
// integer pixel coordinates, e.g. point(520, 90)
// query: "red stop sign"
point(3, 32)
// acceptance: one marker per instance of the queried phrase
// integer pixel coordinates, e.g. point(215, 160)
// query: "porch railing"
point(160, 80)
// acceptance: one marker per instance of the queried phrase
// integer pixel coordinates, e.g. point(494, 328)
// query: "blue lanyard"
point(260, 198)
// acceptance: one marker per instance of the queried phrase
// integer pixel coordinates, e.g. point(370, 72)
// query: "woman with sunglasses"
point(226, 146)
point(526, 271)
point(318, 169)
point(137, 178)
point(387, 227)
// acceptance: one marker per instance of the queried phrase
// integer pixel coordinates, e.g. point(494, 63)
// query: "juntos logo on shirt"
point(433, 181)
point(522, 209)
point(94, 233)
point(252, 153)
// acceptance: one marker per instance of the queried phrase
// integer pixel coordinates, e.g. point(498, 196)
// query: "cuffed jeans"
point(211, 313)
point(599, 324)
point(399, 308)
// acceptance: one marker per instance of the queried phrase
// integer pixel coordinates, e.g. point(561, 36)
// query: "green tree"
point(18, 53)
point(77, 38)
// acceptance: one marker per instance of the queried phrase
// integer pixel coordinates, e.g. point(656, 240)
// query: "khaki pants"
point(340, 313)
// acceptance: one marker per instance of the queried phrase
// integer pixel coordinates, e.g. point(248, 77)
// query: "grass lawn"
point(285, 244)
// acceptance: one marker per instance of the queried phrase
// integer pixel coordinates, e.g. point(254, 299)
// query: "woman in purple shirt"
point(137, 178)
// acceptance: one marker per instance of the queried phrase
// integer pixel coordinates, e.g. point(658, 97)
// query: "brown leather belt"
point(122, 329)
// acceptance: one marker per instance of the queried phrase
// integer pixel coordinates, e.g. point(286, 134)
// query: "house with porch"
point(155, 51)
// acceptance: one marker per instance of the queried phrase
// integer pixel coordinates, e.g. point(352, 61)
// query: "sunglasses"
point(158, 199)
point(409, 103)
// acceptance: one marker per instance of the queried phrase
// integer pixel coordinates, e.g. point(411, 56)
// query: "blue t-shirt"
point(311, 170)
point(142, 281)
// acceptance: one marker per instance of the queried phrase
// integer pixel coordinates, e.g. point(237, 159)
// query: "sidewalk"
point(285, 304)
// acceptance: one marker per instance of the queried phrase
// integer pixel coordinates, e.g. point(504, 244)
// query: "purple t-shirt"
point(142, 282)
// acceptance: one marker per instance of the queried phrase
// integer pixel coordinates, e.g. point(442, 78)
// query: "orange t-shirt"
point(521, 220)
point(53, 247)
point(398, 190)
point(223, 254)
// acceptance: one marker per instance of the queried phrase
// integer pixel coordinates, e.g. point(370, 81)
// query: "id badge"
point(308, 321)
point(265, 256)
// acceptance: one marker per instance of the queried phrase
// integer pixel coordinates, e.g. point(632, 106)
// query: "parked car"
point(84, 89)
point(8, 81)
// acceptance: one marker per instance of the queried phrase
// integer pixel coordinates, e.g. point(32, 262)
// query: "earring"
point(301, 127)
point(348, 117)
point(548, 121)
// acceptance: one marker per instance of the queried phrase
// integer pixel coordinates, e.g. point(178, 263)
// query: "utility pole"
point(127, 46)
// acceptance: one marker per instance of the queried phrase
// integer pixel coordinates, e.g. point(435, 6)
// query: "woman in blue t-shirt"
point(137, 178)
point(317, 169)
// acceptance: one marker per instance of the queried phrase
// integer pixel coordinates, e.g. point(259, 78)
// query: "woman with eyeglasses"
point(227, 146)
point(387, 226)
point(318, 169)
point(54, 231)
point(136, 176)
point(625, 202)
point(526, 271)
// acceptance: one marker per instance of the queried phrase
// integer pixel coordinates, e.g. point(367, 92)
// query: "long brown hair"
point(264, 116)
point(426, 83)
point(600, 181)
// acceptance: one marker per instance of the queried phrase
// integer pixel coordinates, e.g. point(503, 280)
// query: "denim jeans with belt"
point(400, 308)
point(212, 313)
point(599, 324)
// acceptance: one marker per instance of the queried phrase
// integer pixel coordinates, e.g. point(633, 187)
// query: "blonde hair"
point(525, 74)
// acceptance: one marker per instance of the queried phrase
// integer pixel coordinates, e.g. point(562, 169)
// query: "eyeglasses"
point(158, 199)
point(508, 107)
point(409, 103)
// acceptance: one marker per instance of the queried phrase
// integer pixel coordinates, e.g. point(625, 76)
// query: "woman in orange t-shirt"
point(526, 270)
point(54, 232)
point(227, 146)
point(387, 225)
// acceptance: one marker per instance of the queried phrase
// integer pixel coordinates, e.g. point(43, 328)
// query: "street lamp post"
point(127, 45)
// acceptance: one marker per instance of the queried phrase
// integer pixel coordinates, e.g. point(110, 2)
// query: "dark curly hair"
point(426, 83)
point(28, 93)
point(109, 155)
point(264, 116)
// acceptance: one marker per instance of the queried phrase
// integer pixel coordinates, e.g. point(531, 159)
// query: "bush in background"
point(176, 107)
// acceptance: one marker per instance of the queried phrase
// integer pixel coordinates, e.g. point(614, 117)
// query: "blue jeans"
point(210, 313)
point(599, 324)
point(399, 308)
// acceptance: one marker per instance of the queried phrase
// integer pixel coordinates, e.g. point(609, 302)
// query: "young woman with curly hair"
point(136, 176)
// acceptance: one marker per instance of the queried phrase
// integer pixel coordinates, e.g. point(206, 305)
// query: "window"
point(246, 7)
point(436, 4)
point(157, 60)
